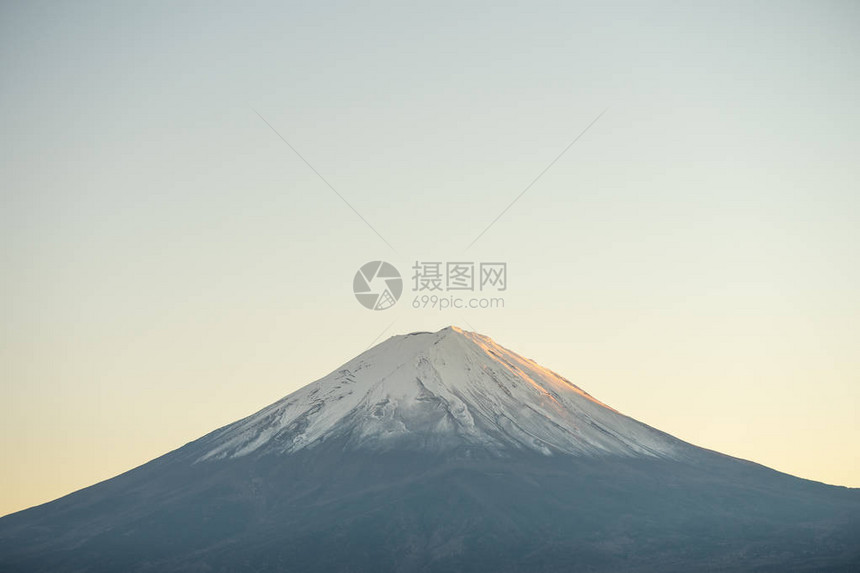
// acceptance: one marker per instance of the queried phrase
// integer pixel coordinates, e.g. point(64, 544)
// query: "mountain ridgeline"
point(440, 452)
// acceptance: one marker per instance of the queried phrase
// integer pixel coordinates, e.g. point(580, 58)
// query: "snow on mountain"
point(442, 391)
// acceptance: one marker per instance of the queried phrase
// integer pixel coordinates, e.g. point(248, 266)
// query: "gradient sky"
point(169, 265)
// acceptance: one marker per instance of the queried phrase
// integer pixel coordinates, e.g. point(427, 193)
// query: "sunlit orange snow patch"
point(521, 366)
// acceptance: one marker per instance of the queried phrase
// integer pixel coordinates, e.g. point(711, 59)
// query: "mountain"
point(440, 452)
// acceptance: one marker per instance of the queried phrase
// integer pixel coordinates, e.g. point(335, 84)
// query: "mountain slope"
point(440, 452)
point(442, 391)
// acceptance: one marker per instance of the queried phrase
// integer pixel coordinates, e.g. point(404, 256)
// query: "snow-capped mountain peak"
point(448, 390)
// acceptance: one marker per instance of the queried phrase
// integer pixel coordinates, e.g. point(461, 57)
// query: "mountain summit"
point(442, 391)
point(440, 452)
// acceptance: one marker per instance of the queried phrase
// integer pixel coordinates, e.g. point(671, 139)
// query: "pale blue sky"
point(169, 265)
